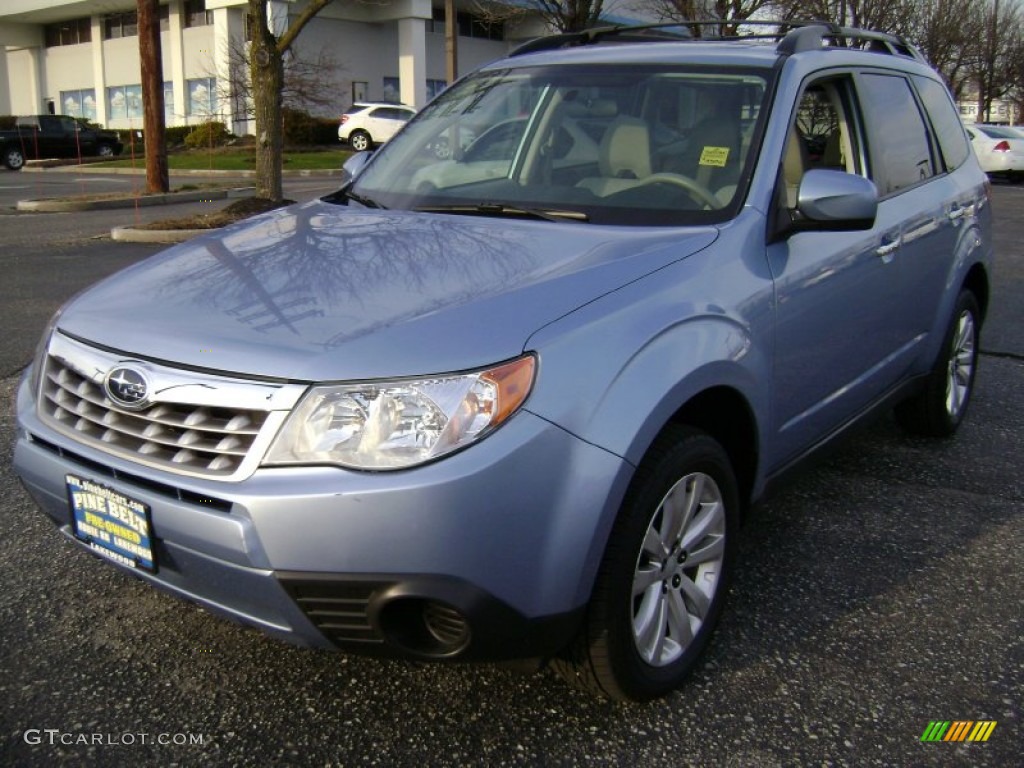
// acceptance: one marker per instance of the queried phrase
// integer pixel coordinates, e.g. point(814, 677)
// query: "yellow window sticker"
point(714, 156)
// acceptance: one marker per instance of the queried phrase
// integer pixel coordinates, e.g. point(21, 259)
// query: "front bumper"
point(487, 554)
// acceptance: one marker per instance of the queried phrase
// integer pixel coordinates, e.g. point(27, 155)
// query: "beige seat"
point(794, 163)
point(624, 157)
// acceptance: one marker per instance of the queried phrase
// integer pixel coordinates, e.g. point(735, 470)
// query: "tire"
point(360, 141)
point(656, 601)
point(939, 409)
point(14, 158)
point(1015, 177)
point(105, 150)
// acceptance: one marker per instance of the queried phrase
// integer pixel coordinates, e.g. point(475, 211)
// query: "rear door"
point(919, 193)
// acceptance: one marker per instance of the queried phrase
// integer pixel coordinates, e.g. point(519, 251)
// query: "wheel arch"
point(976, 281)
point(725, 415)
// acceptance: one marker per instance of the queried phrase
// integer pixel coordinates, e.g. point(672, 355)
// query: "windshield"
point(630, 145)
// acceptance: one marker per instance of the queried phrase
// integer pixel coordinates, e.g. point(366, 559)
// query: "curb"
point(164, 236)
point(197, 196)
point(326, 172)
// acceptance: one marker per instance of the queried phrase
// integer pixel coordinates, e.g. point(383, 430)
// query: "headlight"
point(395, 424)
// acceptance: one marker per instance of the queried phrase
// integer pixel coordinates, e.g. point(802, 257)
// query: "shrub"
point(175, 135)
point(211, 134)
point(303, 129)
point(7, 122)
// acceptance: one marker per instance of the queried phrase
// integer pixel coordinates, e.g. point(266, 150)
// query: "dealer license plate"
point(114, 525)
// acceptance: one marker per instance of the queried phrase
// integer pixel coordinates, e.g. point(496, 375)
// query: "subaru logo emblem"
point(127, 387)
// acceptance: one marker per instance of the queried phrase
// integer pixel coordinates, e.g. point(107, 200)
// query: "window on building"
point(471, 25)
point(117, 25)
point(196, 14)
point(468, 25)
point(434, 87)
point(124, 102)
point(80, 103)
point(70, 32)
point(202, 97)
point(168, 102)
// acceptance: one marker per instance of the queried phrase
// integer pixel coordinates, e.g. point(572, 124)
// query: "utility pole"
point(152, 97)
point(451, 42)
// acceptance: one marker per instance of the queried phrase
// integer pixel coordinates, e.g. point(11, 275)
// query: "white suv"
point(369, 123)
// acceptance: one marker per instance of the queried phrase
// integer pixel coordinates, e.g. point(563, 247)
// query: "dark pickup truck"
point(43, 136)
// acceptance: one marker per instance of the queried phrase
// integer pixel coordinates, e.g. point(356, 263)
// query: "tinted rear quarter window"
point(899, 136)
point(945, 121)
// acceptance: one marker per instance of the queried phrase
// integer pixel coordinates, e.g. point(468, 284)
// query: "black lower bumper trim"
point(395, 616)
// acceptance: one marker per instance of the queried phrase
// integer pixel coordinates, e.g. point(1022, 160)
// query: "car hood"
point(318, 292)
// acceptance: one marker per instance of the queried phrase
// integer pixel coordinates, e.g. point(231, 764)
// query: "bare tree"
point(559, 15)
point(992, 66)
point(893, 16)
point(729, 12)
point(266, 70)
point(947, 33)
point(309, 80)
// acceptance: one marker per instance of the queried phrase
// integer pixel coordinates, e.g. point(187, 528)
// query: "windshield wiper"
point(363, 200)
point(500, 209)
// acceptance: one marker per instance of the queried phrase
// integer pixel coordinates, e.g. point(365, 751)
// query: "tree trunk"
point(267, 72)
point(152, 97)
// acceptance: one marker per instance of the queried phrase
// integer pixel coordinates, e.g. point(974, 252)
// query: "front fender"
point(614, 372)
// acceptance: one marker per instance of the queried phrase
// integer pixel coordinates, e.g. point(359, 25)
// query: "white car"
point(365, 124)
point(1000, 149)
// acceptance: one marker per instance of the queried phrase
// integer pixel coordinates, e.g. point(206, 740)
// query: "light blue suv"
point(515, 401)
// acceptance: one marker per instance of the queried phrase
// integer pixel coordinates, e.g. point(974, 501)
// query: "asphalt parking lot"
point(879, 591)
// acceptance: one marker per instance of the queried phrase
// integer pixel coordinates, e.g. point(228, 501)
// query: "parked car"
point(515, 402)
point(45, 136)
point(1000, 150)
point(365, 124)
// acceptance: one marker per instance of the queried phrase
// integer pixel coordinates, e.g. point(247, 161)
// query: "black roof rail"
point(812, 36)
point(796, 35)
point(621, 32)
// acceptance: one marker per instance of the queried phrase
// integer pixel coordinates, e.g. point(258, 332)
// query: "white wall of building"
point(373, 43)
point(21, 75)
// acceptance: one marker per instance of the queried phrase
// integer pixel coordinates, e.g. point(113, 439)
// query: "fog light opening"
point(426, 628)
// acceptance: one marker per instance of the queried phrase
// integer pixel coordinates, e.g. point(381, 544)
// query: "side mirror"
point(835, 201)
point(352, 167)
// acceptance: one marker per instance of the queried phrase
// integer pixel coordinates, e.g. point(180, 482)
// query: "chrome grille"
point(185, 434)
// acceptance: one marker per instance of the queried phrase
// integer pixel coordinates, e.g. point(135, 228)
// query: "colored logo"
point(127, 387)
point(958, 730)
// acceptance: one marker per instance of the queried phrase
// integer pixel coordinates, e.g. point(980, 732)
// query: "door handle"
point(888, 249)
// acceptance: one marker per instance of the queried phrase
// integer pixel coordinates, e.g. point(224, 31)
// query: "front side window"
point(824, 134)
point(631, 145)
point(900, 140)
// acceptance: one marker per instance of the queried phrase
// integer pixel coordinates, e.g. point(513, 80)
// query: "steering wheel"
point(695, 189)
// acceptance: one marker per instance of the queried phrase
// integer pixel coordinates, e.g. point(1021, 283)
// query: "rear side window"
point(945, 121)
point(899, 136)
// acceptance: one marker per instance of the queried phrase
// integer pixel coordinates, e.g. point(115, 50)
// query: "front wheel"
point(105, 150)
point(939, 408)
point(664, 575)
point(14, 159)
point(360, 141)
